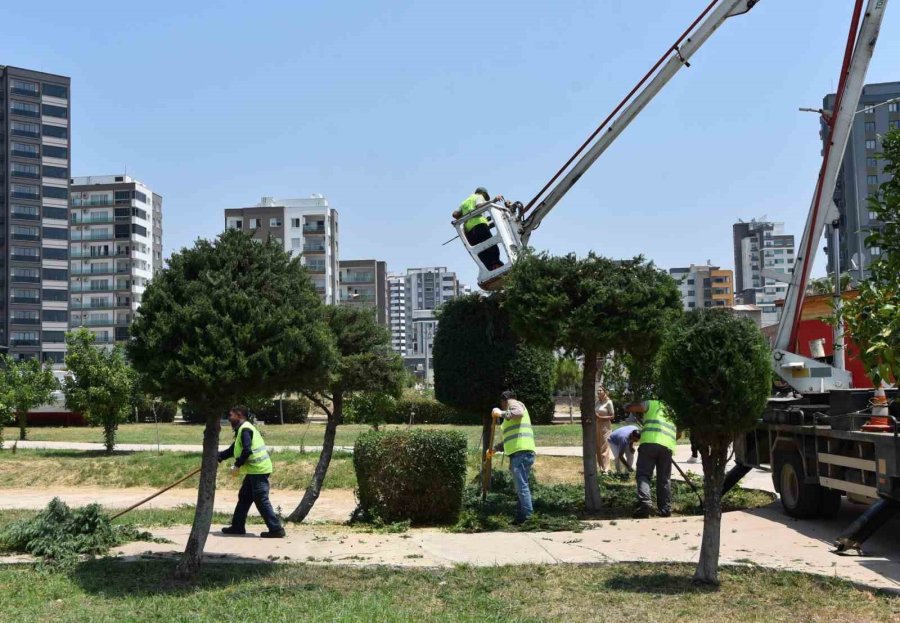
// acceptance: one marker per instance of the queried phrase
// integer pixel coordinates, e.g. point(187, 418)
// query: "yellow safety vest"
point(517, 435)
point(470, 203)
point(259, 461)
point(658, 428)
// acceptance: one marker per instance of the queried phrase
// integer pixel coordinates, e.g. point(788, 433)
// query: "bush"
point(369, 408)
point(296, 410)
point(415, 475)
point(165, 411)
point(532, 375)
point(191, 414)
point(380, 409)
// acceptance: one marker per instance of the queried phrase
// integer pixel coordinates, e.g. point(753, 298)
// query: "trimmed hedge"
point(296, 411)
point(410, 475)
point(359, 410)
point(165, 411)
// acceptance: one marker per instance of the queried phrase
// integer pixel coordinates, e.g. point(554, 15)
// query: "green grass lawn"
point(287, 435)
point(112, 591)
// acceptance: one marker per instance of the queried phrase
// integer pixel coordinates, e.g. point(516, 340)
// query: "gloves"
point(497, 413)
point(235, 470)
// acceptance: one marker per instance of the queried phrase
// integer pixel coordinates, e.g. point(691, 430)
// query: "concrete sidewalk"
point(762, 537)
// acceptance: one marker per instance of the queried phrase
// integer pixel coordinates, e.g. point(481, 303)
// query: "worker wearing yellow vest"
point(658, 438)
point(518, 445)
point(477, 229)
point(251, 458)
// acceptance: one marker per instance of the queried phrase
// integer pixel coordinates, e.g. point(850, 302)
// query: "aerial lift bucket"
point(504, 226)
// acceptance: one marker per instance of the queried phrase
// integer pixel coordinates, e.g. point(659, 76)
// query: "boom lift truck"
point(824, 443)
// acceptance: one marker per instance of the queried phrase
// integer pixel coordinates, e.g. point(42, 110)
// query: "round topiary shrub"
point(410, 475)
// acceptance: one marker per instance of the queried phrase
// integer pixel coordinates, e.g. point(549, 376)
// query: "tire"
point(798, 499)
point(829, 503)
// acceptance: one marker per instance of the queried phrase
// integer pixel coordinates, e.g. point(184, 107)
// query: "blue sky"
point(397, 110)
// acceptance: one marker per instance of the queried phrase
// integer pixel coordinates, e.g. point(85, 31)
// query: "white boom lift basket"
point(505, 234)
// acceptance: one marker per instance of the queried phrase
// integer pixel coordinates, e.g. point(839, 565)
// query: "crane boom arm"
point(679, 56)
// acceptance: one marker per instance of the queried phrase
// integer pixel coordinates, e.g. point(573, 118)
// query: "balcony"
point(313, 229)
point(82, 288)
point(25, 300)
point(24, 320)
point(316, 269)
point(314, 248)
point(24, 154)
point(358, 278)
point(21, 279)
point(15, 342)
point(92, 270)
point(23, 216)
point(76, 254)
point(104, 305)
point(29, 237)
point(78, 236)
point(359, 298)
point(26, 175)
point(94, 220)
point(25, 113)
point(25, 258)
point(20, 195)
point(94, 322)
point(77, 202)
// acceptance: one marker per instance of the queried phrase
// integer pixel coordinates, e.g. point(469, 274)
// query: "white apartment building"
point(112, 219)
point(426, 290)
point(763, 253)
point(397, 311)
point(307, 227)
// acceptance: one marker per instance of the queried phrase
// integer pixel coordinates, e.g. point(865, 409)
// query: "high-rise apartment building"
point(34, 191)
point(115, 249)
point(763, 259)
point(704, 286)
point(397, 312)
point(306, 227)
point(426, 290)
point(364, 283)
point(861, 174)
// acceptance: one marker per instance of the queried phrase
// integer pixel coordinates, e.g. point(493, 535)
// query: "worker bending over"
point(477, 229)
point(658, 438)
point(252, 460)
point(518, 445)
point(621, 442)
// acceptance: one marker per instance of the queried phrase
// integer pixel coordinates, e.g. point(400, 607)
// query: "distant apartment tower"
point(397, 311)
point(115, 249)
point(861, 174)
point(426, 290)
point(364, 283)
point(704, 286)
point(762, 254)
point(306, 227)
point(34, 192)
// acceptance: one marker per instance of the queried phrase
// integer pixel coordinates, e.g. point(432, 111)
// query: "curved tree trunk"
point(23, 419)
point(109, 432)
point(315, 487)
point(715, 456)
point(189, 565)
point(589, 433)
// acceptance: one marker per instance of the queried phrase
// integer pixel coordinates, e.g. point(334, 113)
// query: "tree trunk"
point(23, 419)
point(109, 433)
point(486, 423)
point(189, 565)
point(315, 487)
point(715, 455)
point(589, 433)
point(571, 413)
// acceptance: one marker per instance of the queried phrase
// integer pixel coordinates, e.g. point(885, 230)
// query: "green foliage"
point(715, 373)
point(371, 408)
point(592, 304)
point(270, 410)
point(100, 385)
point(825, 285)
point(477, 356)
point(873, 318)
point(60, 535)
point(415, 475)
point(24, 385)
point(227, 318)
point(567, 374)
point(149, 408)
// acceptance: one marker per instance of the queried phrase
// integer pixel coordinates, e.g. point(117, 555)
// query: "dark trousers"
point(255, 490)
point(695, 449)
point(654, 456)
point(490, 257)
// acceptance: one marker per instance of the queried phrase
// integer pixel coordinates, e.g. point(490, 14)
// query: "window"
point(874, 251)
point(25, 150)
point(24, 295)
point(871, 163)
point(22, 87)
point(26, 254)
point(56, 90)
point(24, 338)
point(25, 275)
point(22, 128)
point(56, 274)
point(872, 180)
point(691, 292)
point(690, 282)
point(58, 213)
point(59, 173)
point(54, 315)
point(140, 196)
point(274, 222)
point(870, 143)
point(55, 131)
point(29, 213)
point(55, 254)
point(873, 216)
point(23, 191)
point(55, 111)
point(52, 151)
point(894, 125)
point(892, 107)
point(54, 192)
point(25, 232)
point(54, 357)
point(54, 337)
point(25, 109)
point(56, 233)
point(870, 126)
point(55, 295)
point(296, 244)
point(25, 316)
point(18, 169)
point(122, 197)
point(295, 222)
point(255, 223)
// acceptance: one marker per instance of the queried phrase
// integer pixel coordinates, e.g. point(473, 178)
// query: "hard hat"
point(481, 190)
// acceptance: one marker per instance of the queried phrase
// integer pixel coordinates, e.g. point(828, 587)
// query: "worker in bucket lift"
point(477, 229)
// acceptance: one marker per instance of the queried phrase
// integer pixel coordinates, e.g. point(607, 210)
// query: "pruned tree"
point(24, 385)
point(714, 374)
point(568, 378)
point(99, 384)
point(226, 319)
point(591, 306)
point(873, 317)
point(365, 363)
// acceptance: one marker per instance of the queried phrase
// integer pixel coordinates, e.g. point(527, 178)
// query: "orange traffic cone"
point(879, 422)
